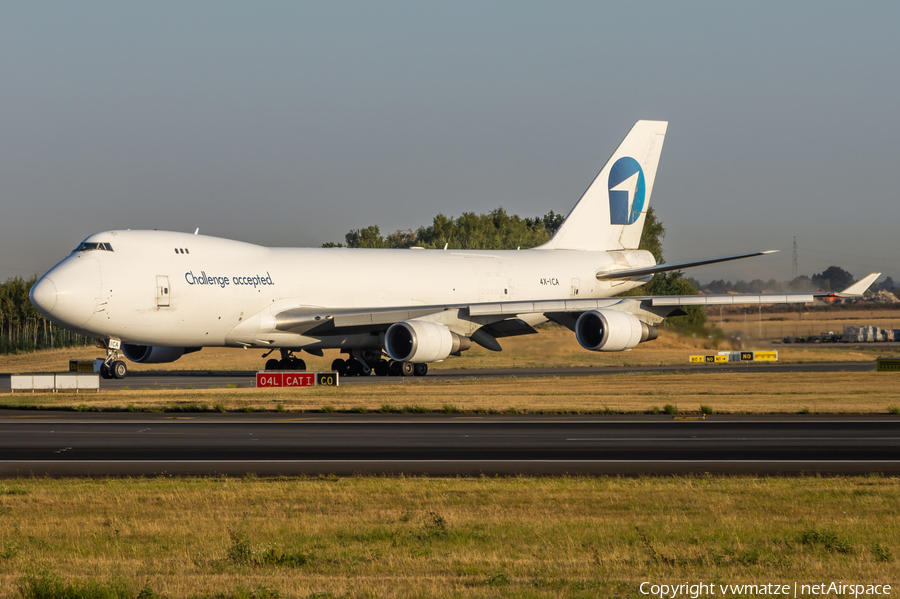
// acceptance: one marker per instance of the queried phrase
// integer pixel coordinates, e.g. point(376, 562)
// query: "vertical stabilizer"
point(610, 215)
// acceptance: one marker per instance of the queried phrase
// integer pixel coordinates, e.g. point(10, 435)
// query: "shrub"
point(9, 549)
point(328, 409)
point(242, 553)
point(448, 409)
point(670, 409)
point(881, 553)
point(654, 409)
point(706, 409)
point(894, 410)
point(827, 539)
point(219, 408)
point(48, 586)
point(279, 407)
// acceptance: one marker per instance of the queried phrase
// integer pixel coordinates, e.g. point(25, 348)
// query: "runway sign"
point(708, 359)
point(737, 356)
point(288, 378)
point(887, 364)
point(84, 365)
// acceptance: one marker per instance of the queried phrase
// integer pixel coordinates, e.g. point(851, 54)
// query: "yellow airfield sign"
point(736, 356)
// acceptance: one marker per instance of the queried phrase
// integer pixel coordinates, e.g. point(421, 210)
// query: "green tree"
point(495, 230)
point(833, 278)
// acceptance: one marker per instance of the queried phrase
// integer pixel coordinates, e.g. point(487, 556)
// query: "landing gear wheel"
point(292, 364)
point(354, 368)
point(420, 369)
point(273, 364)
point(105, 372)
point(382, 368)
point(339, 366)
point(407, 368)
point(119, 370)
point(395, 368)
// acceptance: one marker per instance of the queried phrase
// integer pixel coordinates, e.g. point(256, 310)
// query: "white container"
point(67, 382)
point(43, 382)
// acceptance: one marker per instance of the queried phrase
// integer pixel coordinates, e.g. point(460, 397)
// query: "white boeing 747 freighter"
point(154, 296)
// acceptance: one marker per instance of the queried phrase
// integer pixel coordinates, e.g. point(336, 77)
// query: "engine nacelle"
point(421, 341)
point(154, 354)
point(612, 330)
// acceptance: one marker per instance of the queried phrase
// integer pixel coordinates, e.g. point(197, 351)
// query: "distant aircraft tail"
point(610, 215)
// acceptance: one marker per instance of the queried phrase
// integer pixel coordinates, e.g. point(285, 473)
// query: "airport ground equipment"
point(69, 381)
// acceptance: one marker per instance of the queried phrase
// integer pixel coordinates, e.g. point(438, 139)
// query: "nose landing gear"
point(113, 367)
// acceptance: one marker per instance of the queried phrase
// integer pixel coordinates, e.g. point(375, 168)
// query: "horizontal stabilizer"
point(652, 270)
point(860, 287)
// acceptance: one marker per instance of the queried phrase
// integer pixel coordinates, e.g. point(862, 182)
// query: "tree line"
point(22, 328)
point(833, 278)
point(495, 230)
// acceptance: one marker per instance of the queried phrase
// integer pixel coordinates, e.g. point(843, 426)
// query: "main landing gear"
point(113, 367)
point(362, 363)
point(288, 361)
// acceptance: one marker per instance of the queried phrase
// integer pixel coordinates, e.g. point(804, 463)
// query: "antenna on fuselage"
point(197, 230)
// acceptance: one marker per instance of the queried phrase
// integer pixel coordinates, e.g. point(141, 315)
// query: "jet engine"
point(155, 354)
point(612, 330)
point(421, 341)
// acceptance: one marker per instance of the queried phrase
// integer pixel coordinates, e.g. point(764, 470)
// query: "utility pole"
point(794, 272)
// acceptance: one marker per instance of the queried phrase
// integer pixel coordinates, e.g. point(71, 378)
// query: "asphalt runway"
point(144, 444)
point(205, 380)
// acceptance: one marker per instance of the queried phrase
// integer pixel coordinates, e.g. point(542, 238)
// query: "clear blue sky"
point(289, 124)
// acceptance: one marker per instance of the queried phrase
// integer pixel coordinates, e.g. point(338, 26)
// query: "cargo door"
point(493, 284)
point(162, 291)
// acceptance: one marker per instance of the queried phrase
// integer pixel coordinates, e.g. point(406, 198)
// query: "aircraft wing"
point(506, 319)
point(637, 273)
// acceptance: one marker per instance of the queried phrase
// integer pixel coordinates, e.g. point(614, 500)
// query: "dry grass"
point(554, 346)
point(748, 392)
point(399, 537)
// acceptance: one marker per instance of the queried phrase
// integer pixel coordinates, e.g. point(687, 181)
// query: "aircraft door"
point(162, 291)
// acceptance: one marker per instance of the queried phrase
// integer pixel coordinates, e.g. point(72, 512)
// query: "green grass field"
point(469, 537)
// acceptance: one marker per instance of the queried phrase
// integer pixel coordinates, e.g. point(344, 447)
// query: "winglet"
point(858, 288)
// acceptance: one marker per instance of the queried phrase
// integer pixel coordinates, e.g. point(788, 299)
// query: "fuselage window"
point(186, 251)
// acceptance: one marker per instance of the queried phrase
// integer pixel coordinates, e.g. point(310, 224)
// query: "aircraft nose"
point(43, 296)
point(68, 294)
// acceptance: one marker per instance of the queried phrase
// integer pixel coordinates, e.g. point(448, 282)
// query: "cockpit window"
point(90, 246)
